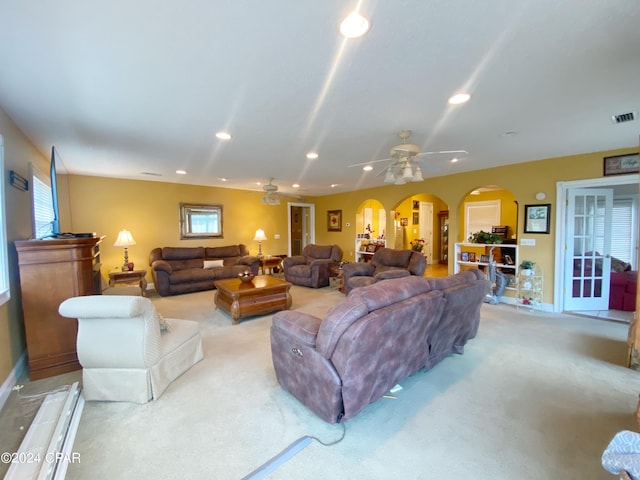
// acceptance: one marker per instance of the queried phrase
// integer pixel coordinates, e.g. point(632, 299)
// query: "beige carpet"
point(535, 396)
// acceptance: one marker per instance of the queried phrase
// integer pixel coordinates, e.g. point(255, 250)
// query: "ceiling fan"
point(272, 196)
point(405, 163)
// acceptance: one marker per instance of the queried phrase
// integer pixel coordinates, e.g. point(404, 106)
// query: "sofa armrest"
point(392, 273)
point(298, 325)
point(295, 260)
point(248, 260)
point(161, 265)
point(361, 269)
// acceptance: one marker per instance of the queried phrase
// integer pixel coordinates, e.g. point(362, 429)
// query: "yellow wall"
point(18, 153)
point(150, 211)
point(523, 180)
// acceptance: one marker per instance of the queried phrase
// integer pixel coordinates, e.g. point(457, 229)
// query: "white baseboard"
point(12, 379)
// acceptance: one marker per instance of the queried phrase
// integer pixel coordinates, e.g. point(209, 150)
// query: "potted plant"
point(417, 245)
point(526, 267)
point(485, 237)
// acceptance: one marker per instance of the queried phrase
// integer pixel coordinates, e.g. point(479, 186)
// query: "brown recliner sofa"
point(311, 269)
point(372, 340)
point(177, 270)
point(386, 263)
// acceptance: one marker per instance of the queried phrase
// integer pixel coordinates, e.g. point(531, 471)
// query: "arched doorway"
point(424, 218)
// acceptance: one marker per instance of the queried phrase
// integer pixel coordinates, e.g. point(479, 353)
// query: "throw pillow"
point(213, 263)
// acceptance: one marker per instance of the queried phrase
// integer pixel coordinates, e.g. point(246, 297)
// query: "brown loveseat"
point(386, 263)
point(376, 337)
point(178, 270)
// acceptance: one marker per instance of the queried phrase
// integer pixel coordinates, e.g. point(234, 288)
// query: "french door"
point(588, 249)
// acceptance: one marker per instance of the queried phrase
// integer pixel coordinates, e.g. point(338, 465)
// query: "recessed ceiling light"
point(312, 155)
point(354, 25)
point(223, 136)
point(459, 98)
point(454, 160)
point(334, 185)
point(296, 185)
point(181, 172)
point(367, 168)
point(224, 180)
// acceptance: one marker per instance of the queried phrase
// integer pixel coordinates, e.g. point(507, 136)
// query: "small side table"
point(118, 277)
point(269, 262)
point(336, 278)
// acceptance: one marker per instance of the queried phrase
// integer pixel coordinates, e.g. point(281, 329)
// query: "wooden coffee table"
point(265, 294)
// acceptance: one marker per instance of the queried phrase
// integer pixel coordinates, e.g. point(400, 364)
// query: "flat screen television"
point(55, 223)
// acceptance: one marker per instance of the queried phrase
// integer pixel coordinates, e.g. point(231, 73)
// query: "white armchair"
point(123, 352)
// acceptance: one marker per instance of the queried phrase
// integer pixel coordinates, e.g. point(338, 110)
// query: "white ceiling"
point(121, 87)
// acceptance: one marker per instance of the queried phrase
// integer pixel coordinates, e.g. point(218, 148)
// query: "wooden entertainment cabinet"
point(52, 271)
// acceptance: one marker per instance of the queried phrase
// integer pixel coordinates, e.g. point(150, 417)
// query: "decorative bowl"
point(246, 277)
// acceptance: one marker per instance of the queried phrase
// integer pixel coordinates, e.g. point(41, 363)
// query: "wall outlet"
point(347, 224)
point(276, 236)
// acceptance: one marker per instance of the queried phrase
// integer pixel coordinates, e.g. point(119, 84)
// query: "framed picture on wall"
point(416, 205)
point(404, 222)
point(334, 220)
point(416, 218)
point(621, 164)
point(537, 218)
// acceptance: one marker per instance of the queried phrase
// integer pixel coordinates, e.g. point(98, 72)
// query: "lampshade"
point(260, 236)
point(399, 174)
point(125, 239)
point(389, 177)
point(407, 174)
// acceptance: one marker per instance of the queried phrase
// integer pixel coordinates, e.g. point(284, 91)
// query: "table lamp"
point(125, 239)
point(260, 237)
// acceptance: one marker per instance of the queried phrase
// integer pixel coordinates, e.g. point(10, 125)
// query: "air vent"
point(152, 174)
point(624, 117)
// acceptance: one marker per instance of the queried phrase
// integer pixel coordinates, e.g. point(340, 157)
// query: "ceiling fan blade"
point(367, 163)
point(442, 152)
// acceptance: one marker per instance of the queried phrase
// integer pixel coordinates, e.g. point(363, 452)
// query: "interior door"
point(301, 226)
point(588, 249)
point(426, 229)
point(297, 223)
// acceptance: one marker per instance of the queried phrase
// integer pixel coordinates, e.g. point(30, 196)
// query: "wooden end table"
point(270, 263)
point(118, 277)
point(264, 294)
point(336, 278)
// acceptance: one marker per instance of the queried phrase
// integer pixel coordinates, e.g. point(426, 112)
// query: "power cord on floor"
point(268, 467)
point(344, 432)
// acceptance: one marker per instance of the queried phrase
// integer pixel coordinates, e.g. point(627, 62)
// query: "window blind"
point(623, 230)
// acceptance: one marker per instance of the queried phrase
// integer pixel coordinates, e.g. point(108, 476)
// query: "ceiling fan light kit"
point(404, 166)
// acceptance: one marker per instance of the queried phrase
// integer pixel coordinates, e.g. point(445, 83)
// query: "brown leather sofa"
point(371, 341)
point(178, 270)
point(386, 263)
point(311, 269)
